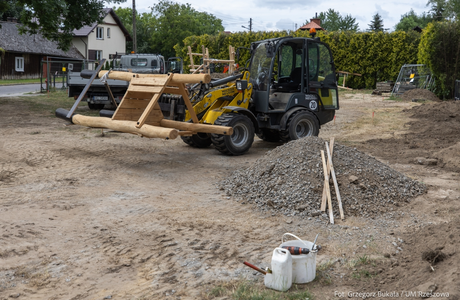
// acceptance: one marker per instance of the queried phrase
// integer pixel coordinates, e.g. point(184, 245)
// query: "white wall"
point(116, 42)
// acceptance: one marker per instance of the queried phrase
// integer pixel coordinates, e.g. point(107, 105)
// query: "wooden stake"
point(336, 186)
point(323, 201)
point(327, 189)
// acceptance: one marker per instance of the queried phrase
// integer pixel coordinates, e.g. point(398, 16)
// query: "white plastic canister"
point(281, 277)
point(303, 265)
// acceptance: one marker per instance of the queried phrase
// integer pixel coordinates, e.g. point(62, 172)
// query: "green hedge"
point(440, 50)
point(377, 56)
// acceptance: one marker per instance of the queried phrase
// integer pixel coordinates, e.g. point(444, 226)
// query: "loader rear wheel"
point(199, 140)
point(299, 125)
point(269, 135)
point(242, 138)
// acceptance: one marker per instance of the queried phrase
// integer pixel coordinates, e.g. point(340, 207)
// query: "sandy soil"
point(86, 215)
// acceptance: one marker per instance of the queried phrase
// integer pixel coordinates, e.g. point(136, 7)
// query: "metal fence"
point(413, 77)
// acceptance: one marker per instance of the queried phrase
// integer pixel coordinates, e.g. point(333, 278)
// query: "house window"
point(108, 33)
point(100, 33)
point(98, 54)
point(19, 66)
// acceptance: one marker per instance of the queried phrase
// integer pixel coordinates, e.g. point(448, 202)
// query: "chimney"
point(316, 21)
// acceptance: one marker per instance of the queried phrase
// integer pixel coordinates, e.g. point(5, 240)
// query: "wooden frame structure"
point(204, 67)
point(345, 74)
point(139, 111)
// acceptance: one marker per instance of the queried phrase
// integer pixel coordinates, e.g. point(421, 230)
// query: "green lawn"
point(18, 81)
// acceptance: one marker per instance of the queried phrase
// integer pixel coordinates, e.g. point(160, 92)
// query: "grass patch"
point(254, 290)
point(322, 273)
point(47, 103)
point(18, 81)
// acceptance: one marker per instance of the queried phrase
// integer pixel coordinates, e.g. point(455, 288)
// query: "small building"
point(21, 55)
point(102, 40)
point(314, 23)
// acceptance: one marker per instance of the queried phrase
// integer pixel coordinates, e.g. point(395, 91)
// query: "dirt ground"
point(86, 214)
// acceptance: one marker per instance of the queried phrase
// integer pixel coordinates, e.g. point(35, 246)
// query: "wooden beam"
point(323, 202)
point(328, 190)
point(126, 126)
point(187, 102)
point(197, 127)
point(191, 56)
point(177, 78)
point(336, 186)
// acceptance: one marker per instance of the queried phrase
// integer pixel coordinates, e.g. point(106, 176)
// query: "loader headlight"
point(241, 85)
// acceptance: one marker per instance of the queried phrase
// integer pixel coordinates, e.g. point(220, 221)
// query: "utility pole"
point(134, 27)
point(250, 25)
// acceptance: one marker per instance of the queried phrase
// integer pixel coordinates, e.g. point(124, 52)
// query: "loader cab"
point(292, 72)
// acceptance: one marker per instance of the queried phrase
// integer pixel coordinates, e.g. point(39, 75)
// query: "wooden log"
point(323, 202)
point(326, 185)
point(126, 126)
point(176, 78)
point(336, 186)
point(197, 127)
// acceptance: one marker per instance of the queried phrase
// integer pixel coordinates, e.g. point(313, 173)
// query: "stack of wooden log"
point(383, 87)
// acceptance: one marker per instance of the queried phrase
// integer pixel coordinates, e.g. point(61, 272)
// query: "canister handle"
point(287, 233)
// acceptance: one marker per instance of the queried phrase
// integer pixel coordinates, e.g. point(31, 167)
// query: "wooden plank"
point(139, 95)
point(328, 190)
point(323, 202)
point(150, 89)
point(219, 60)
point(152, 104)
point(336, 186)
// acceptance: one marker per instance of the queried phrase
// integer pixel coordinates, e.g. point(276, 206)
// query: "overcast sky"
point(288, 15)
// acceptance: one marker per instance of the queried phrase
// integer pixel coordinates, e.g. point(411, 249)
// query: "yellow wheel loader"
point(288, 92)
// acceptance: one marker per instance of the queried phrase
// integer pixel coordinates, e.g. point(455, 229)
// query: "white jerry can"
point(281, 277)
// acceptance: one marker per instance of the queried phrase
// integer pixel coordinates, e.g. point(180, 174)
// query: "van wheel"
point(199, 140)
point(299, 125)
point(95, 106)
point(242, 138)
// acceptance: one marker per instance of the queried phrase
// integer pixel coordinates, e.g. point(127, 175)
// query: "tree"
point(411, 19)
point(439, 49)
point(331, 20)
point(376, 24)
point(55, 19)
point(172, 22)
point(438, 9)
point(143, 31)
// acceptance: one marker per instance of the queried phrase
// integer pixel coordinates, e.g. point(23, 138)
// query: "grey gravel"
point(289, 180)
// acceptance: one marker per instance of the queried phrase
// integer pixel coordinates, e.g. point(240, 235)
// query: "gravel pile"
point(289, 180)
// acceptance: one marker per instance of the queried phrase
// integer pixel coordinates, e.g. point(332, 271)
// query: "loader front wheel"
point(242, 138)
point(299, 125)
point(199, 140)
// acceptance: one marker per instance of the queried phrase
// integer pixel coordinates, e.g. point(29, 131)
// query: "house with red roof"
point(314, 23)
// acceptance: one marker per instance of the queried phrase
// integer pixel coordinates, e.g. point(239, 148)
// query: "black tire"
point(199, 140)
point(242, 138)
point(269, 135)
point(300, 124)
point(95, 106)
